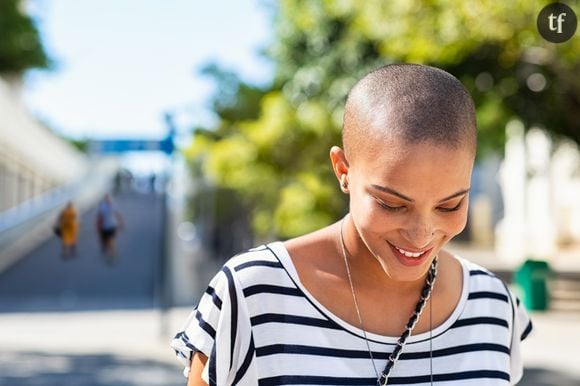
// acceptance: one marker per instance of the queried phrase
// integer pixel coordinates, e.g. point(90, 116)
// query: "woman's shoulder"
point(281, 262)
point(314, 250)
point(481, 278)
point(254, 256)
point(260, 265)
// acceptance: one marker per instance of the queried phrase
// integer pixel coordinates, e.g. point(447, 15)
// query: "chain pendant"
point(383, 380)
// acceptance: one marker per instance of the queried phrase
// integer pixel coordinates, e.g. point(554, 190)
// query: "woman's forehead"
point(401, 166)
point(390, 149)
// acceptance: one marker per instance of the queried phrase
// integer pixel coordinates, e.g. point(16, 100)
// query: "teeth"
point(409, 254)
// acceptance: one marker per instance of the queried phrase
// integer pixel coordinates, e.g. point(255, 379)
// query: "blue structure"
point(124, 145)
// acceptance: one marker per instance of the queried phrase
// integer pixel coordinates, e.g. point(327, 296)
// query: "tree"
point(20, 45)
point(278, 161)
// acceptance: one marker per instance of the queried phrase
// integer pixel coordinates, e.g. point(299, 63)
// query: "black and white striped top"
point(258, 325)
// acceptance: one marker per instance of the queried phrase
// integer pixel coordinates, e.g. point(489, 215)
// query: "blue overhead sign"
point(126, 145)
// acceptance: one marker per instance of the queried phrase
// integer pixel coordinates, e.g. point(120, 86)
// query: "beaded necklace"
point(383, 378)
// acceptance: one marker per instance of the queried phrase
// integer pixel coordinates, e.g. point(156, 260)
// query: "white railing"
point(27, 225)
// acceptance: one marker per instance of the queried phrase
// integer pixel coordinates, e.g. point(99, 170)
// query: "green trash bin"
point(532, 278)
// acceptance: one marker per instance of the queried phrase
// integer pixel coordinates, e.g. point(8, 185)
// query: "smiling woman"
point(374, 298)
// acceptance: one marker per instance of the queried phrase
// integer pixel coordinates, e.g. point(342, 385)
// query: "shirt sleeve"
point(220, 328)
point(522, 326)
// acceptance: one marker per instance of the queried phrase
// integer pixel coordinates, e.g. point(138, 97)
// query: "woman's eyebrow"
point(400, 195)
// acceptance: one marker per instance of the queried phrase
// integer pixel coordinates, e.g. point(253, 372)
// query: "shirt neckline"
point(282, 254)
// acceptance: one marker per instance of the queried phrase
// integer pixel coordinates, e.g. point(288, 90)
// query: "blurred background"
point(208, 125)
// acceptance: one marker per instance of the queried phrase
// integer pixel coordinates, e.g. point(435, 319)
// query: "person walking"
point(67, 225)
point(109, 222)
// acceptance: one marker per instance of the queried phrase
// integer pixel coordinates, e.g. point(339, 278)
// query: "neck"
point(425, 294)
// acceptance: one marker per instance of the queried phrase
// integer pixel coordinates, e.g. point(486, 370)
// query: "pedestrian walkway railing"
point(30, 223)
point(36, 206)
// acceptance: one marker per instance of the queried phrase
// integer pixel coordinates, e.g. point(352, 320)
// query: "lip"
point(410, 261)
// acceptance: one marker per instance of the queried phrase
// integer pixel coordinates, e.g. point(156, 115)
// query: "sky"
point(120, 64)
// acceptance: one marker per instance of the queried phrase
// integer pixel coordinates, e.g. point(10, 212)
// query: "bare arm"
point(197, 364)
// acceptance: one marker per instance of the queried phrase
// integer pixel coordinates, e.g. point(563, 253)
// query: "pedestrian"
point(67, 230)
point(373, 298)
point(109, 221)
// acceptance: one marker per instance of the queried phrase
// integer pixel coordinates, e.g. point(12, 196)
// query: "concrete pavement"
point(91, 348)
point(126, 348)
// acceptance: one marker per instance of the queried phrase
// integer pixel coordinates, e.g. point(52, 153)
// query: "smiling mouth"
point(409, 253)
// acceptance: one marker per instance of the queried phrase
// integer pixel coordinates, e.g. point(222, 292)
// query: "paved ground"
point(42, 281)
point(125, 348)
point(91, 348)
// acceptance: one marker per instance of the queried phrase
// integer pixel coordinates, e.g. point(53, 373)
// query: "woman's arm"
point(197, 364)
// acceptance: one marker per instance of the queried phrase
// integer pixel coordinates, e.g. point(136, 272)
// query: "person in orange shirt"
point(68, 225)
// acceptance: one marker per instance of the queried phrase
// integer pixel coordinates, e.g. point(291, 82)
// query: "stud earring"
point(344, 183)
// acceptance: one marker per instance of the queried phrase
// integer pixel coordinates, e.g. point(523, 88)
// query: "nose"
point(419, 234)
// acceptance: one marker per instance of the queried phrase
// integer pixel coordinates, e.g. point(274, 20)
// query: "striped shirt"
point(258, 325)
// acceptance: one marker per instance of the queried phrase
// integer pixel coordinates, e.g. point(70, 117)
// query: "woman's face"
point(408, 201)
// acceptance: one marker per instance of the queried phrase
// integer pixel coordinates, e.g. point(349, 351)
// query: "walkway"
point(125, 348)
point(42, 281)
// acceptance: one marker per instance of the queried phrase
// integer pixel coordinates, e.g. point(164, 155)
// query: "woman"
point(374, 298)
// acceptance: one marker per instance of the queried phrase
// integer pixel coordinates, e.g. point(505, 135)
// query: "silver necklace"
point(383, 378)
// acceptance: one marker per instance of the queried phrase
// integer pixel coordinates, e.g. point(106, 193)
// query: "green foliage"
point(278, 160)
point(20, 45)
point(81, 145)
point(234, 99)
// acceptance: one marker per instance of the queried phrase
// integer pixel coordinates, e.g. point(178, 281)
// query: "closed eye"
point(455, 208)
point(389, 207)
point(398, 208)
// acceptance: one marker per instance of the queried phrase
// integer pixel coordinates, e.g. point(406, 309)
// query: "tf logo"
point(557, 22)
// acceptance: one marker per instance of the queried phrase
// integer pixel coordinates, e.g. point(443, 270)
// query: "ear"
point(340, 166)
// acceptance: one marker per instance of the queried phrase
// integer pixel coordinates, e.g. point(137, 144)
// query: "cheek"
point(455, 223)
point(370, 217)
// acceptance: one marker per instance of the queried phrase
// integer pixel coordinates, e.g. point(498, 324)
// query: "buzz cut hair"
point(414, 103)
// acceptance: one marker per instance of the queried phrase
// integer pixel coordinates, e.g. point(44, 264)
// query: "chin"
point(407, 275)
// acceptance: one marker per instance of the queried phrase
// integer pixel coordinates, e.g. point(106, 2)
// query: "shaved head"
point(409, 103)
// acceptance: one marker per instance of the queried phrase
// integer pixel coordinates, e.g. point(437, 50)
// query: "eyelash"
point(398, 208)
